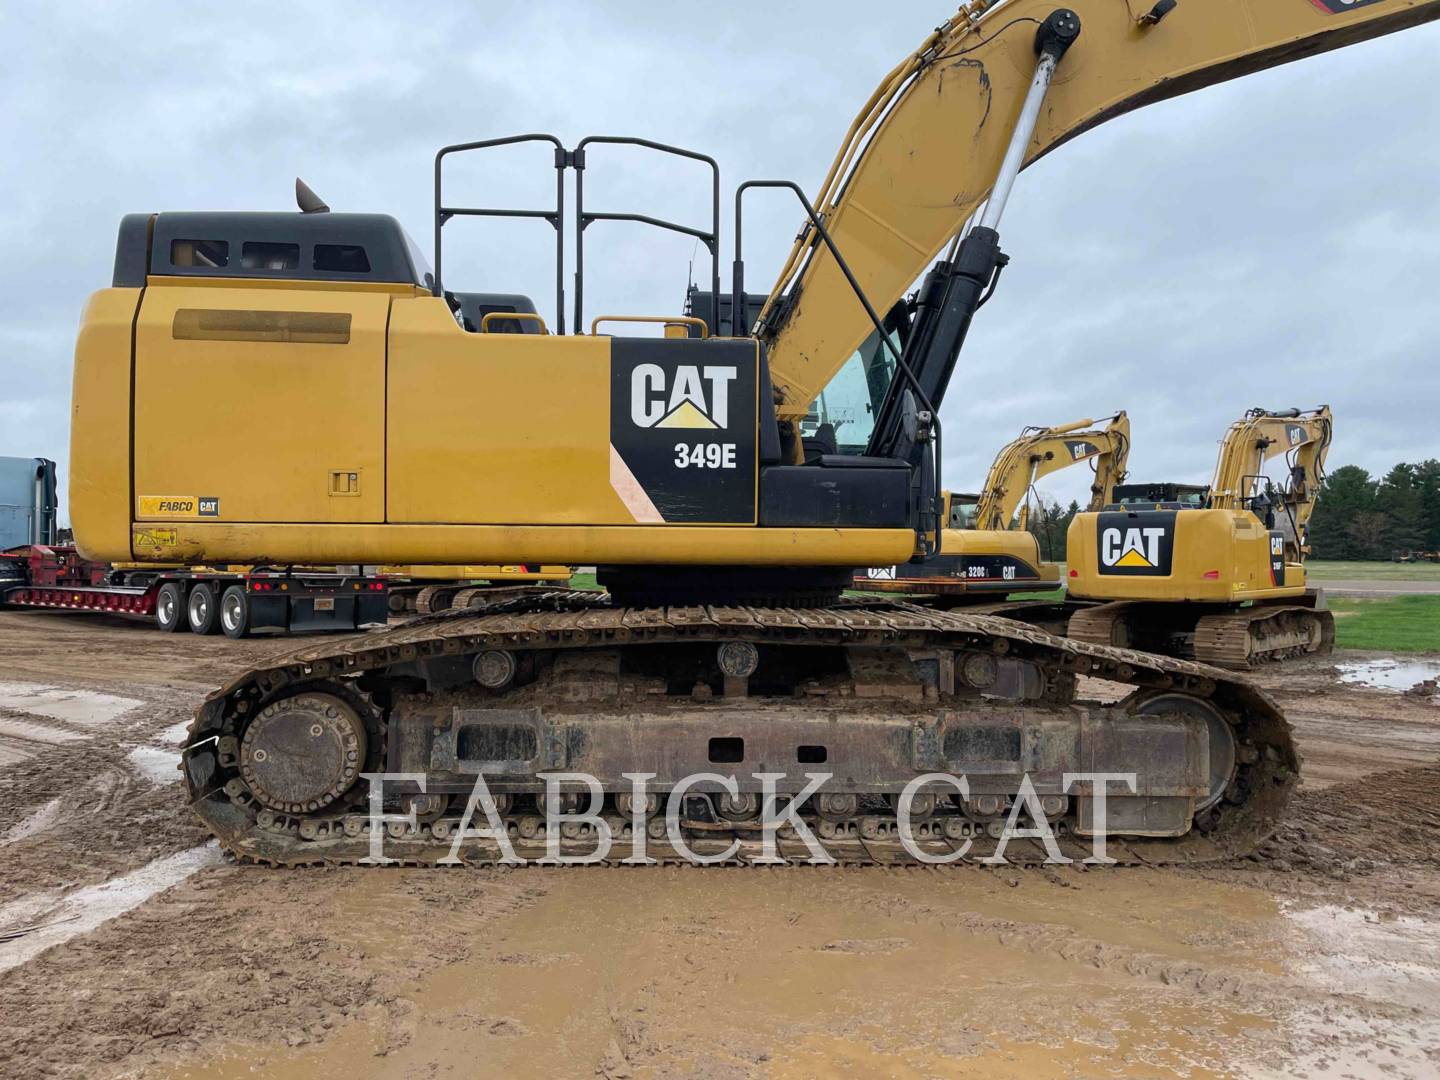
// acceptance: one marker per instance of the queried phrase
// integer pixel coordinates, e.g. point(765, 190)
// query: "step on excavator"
point(1217, 574)
point(722, 674)
point(987, 552)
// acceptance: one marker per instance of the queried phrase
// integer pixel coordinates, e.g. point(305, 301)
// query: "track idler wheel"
point(1223, 751)
point(301, 753)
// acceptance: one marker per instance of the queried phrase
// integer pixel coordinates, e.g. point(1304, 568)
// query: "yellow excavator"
point(1218, 576)
point(986, 549)
point(723, 674)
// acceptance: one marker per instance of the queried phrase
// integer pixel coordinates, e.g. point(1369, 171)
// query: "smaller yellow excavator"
point(986, 550)
point(1216, 575)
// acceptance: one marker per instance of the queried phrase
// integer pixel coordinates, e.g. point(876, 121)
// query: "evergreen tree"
point(1347, 493)
point(1399, 499)
point(1427, 480)
point(1367, 532)
point(1049, 523)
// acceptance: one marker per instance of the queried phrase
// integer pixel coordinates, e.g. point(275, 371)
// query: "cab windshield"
point(853, 396)
point(962, 511)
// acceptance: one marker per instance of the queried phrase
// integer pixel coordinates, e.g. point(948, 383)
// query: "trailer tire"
point(170, 607)
point(235, 612)
point(202, 610)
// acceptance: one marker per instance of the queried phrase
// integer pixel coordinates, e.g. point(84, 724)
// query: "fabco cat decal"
point(179, 506)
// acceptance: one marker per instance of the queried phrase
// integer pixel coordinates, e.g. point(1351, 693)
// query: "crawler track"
point(600, 687)
point(1249, 637)
point(1238, 639)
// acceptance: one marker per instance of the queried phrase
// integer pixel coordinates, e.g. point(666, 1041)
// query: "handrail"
point(583, 218)
point(513, 315)
point(737, 301)
point(668, 320)
point(555, 217)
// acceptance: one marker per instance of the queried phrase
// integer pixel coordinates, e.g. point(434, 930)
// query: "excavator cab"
point(1164, 496)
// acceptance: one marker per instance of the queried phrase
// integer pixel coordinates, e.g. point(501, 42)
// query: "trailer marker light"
point(1212, 575)
point(1074, 573)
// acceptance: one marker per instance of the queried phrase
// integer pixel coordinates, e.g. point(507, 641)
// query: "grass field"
point(1372, 571)
point(1394, 624)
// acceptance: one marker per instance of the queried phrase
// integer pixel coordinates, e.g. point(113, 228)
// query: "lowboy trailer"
point(236, 601)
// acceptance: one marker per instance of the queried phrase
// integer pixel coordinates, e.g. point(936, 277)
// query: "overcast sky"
point(1274, 241)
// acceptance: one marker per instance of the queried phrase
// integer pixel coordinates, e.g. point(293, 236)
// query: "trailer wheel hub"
point(302, 753)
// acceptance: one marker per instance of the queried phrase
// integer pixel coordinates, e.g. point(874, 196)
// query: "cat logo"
point(1137, 543)
point(698, 398)
point(1294, 434)
point(881, 573)
point(1080, 450)
point(1131, 547)
point(1277, 558)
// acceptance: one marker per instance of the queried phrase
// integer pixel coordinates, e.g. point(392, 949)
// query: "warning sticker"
point(154, 538)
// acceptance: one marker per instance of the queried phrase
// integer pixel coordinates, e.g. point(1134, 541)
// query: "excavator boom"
point(1258, 437)
point(1038, 452)
point(924, 150)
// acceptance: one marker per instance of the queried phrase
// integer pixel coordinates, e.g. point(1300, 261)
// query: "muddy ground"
point(140, 952)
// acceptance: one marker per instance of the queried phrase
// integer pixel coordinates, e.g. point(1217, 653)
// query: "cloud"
point(1273, 241)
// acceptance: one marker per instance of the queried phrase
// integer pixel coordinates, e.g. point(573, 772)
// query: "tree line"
point(1360, 517)
point(1357, 516)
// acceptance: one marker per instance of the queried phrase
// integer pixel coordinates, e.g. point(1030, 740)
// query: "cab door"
point(260, 404)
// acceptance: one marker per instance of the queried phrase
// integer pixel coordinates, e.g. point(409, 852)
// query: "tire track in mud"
point(96, 793)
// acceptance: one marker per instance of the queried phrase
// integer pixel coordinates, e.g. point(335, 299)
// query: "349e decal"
point(683, 429)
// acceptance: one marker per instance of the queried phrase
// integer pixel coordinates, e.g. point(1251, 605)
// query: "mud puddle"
point(86, 708)
point(30, 926)
point(156, 765)
point(1402, 675)
point(1383, 956)
point(31, 732)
